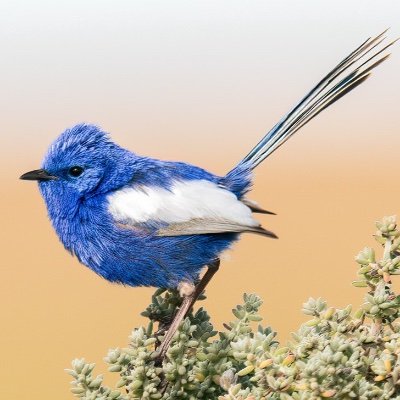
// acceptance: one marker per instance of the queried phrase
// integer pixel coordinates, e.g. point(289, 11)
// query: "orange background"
point(199, 82)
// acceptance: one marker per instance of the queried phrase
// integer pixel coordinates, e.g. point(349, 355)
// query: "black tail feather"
point(338, 82)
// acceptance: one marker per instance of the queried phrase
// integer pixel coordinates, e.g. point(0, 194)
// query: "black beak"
point(37, 175)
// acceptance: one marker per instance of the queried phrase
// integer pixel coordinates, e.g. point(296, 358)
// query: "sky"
point(200, 82)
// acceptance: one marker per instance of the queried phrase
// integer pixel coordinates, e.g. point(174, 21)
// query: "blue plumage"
point(145, 222)
point(77, 208)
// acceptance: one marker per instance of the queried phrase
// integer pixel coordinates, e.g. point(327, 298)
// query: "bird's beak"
point(37, 175)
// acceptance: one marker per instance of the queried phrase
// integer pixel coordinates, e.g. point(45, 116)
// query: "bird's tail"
point(347, 75)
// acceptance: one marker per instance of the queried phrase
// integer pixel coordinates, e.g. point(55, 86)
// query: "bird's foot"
point(186, 289)
point(190, 294)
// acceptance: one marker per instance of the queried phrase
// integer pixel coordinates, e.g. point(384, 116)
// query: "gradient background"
point(199, 82)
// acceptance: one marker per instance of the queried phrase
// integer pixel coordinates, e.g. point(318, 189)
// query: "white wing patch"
point(185, 201)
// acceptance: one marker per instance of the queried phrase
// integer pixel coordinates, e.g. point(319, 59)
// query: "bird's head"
point(82, 162)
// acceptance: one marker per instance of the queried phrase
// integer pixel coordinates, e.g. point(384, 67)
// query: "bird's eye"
point(75, 171)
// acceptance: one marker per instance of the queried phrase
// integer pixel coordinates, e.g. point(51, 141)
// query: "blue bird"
point(139, 221)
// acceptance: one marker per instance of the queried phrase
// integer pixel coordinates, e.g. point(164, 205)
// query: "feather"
point(203, 226)
point(255, 207)
point(346, 76)
point(186, 208)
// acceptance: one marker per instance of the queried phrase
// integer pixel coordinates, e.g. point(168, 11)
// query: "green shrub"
point(336, 354)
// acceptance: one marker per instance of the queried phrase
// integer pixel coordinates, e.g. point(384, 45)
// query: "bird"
point(140, 221)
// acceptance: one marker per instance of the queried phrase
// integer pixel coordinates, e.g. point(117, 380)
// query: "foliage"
point(336, 354)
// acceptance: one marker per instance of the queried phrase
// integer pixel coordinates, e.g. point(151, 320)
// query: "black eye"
point(75, 171)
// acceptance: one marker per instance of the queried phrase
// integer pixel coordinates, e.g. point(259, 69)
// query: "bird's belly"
point(157, 261)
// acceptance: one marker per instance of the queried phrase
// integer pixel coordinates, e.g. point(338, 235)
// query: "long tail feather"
point(346, 76)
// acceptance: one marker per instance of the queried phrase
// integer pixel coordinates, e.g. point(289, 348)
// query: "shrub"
point(335, 354)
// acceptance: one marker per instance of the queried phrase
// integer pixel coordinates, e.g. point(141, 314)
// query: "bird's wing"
point(198, 226)
point(186, 208)
point(255, 207)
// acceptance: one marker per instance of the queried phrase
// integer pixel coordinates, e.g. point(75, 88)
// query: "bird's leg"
point(190, 295)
